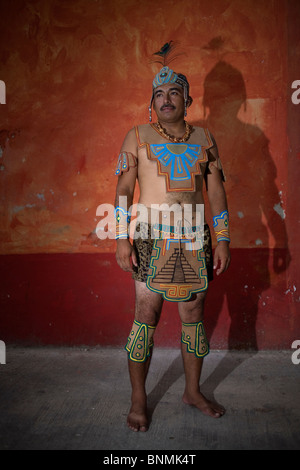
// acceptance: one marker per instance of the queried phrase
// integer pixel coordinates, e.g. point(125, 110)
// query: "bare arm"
point(218, 204)
point(125, 189)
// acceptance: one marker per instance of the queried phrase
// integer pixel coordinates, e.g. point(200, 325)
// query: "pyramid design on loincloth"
point(177, 270)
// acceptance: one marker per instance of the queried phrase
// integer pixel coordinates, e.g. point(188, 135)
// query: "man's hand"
point(124, 252)
point(221, 257)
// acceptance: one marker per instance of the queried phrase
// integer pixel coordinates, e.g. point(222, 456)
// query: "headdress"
point(167, 75)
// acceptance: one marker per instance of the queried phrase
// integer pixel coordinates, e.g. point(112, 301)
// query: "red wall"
point(77, 77)
point(85, 299)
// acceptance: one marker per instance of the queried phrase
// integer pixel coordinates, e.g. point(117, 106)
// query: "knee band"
point(193, 335)
point(140, 341)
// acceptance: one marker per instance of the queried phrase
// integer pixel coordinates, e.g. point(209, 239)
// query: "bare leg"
point(147, 310)
point(192, 312)
point(192, 395)
point(137, 419)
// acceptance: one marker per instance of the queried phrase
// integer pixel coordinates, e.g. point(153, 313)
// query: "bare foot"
point(137, 419)
point(207, 407)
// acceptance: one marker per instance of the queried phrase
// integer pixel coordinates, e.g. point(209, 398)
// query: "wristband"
point(221, 226)
point(122, 221)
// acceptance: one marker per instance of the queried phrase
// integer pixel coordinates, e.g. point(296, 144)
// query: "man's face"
point(168, 103)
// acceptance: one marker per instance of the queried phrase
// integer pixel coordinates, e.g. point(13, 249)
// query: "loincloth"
point(175, 268)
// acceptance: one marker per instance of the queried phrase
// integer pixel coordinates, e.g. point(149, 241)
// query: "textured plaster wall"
point(78, 76)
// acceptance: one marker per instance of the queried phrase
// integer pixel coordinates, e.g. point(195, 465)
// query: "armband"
point(125, 161)
point(221, 226)
point(217, 164)
point(122, 221)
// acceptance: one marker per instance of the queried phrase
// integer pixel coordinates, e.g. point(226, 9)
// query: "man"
point(171, 160)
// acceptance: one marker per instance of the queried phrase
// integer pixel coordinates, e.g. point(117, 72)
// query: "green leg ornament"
point(140, 341)
point(193, 335)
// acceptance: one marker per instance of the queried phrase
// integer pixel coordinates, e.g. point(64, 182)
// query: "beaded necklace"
point(184, 138)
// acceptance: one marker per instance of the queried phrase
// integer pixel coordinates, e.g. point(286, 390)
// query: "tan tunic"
point(172, 173)
point(169, 172)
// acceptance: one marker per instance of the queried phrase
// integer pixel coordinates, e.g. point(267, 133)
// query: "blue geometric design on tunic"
point(179, 156)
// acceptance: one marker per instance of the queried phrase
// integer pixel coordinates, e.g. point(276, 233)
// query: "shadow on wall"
point(254, 207)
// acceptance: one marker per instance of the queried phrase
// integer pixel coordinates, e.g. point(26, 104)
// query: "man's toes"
point(143, 428)
point(136, 425)
point(133, 426)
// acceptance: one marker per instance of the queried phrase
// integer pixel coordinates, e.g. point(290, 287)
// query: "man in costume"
point(171, 256)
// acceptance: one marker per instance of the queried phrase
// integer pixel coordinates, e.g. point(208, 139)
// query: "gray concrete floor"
point(78, 398)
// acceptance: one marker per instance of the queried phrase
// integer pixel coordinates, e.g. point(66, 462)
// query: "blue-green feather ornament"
point(164, 53)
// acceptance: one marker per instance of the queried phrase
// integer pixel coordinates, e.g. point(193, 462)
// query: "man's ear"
point(189, 101)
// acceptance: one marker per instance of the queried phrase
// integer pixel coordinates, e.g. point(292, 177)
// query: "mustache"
point(167, 106)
